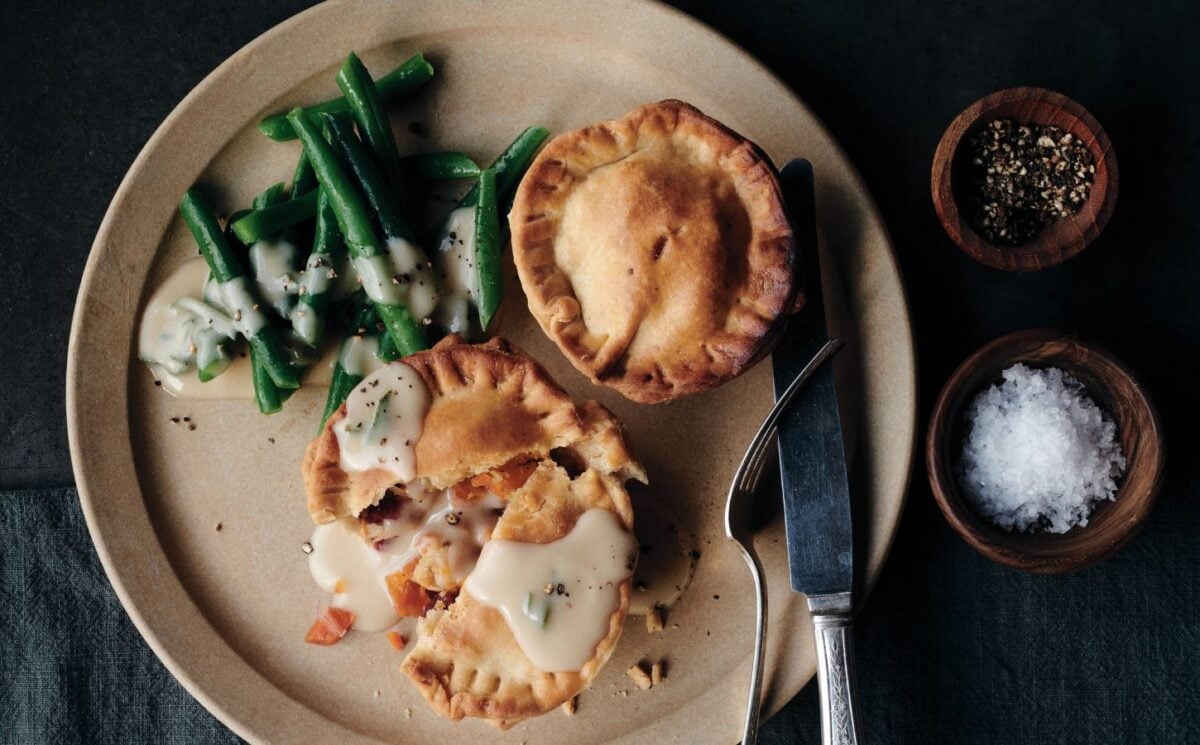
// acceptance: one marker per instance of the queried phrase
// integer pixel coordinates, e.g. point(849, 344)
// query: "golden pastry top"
point(655, 250)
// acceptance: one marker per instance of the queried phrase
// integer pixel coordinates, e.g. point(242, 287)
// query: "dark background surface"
point(951, 647)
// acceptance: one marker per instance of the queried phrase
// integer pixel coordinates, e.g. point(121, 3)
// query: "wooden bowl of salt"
point(1108, 524)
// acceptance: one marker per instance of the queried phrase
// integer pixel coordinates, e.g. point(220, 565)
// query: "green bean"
point(304, 179)
point(208, 369)
point(371, 116)
point(391, 219)
point(224, 266)
point(262, 223)
point(342, 383)
point(266, 393)
point(212, 331)
point(402, 328)
point(271, 196)
point(327, 238)
point(386, 350)
point(328, 255)
point(348, 207)
point(488, 249)
point(405, 79)
point(439, 166)
point(511, 165)
point(203, 223)
point(374, 188)
point(355, 224)
point(340, 386)
point(213, 318)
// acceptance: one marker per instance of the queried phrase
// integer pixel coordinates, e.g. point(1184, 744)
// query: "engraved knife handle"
point(835, 668)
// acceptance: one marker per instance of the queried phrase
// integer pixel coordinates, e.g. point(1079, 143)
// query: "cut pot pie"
point(462, 486)
point(656, 251)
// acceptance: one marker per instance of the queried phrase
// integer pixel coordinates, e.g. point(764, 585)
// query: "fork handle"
point(840, 721)
point(754, 695)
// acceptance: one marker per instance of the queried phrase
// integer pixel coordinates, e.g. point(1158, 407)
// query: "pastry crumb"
point(639, 676)
point(377, 694)
point(570, 705)
point(218, 527)
point(654, 620)
point(658, 672)
point(408, 713)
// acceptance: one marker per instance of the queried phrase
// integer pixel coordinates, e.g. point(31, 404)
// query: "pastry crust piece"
point(656, 251)
point(466, 661)
point(491, 404)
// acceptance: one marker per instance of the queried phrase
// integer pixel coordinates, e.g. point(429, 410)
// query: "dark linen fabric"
point(73, 669)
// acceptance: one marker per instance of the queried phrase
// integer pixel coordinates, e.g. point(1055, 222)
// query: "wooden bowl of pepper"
point(1024, 179)
point(1118, 393)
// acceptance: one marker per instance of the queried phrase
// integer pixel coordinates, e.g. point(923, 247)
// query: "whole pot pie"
point(656, 251)
point(463, 487)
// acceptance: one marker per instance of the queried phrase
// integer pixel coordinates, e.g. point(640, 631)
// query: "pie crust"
point(656, 251)
point(491, 404)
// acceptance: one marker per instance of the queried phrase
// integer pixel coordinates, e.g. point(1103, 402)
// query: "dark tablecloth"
point(73, 669)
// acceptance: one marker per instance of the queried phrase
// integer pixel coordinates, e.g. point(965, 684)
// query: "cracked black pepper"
point(1024, 177)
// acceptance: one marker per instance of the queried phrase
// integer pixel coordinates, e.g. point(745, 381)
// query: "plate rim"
point(80, 469)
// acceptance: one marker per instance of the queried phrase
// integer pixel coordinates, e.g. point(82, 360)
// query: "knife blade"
point(812, 458)
point(816, 489)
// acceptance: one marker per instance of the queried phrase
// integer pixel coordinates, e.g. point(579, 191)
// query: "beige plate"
point(226, 611)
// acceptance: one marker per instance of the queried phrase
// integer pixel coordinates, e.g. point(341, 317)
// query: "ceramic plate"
point(227, 610)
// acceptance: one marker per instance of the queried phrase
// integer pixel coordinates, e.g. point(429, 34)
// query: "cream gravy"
point(360, 355)
point(273, 264)
point(455, 261)
point(344, 565)
point(189, 281)
point(558, 597)
point(411, 274)
point(383, 422)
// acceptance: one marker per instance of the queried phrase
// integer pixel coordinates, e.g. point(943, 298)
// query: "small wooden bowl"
point(1114, 388)
point(1063, 238)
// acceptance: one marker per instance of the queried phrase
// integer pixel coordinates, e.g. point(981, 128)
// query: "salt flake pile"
point(1039, 453)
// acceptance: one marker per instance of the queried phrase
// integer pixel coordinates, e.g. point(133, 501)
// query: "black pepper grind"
point(1024, 177)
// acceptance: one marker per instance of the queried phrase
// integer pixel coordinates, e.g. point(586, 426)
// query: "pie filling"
point(413, 549)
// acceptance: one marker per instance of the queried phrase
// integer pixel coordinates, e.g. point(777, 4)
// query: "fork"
point(739, 507)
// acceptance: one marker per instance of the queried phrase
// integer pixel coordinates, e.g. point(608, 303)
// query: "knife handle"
point(835, 668)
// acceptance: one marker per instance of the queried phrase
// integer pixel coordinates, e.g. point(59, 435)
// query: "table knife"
point(816, 491)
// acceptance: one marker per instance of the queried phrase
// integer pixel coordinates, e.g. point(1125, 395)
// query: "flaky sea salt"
point(1039, 453)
